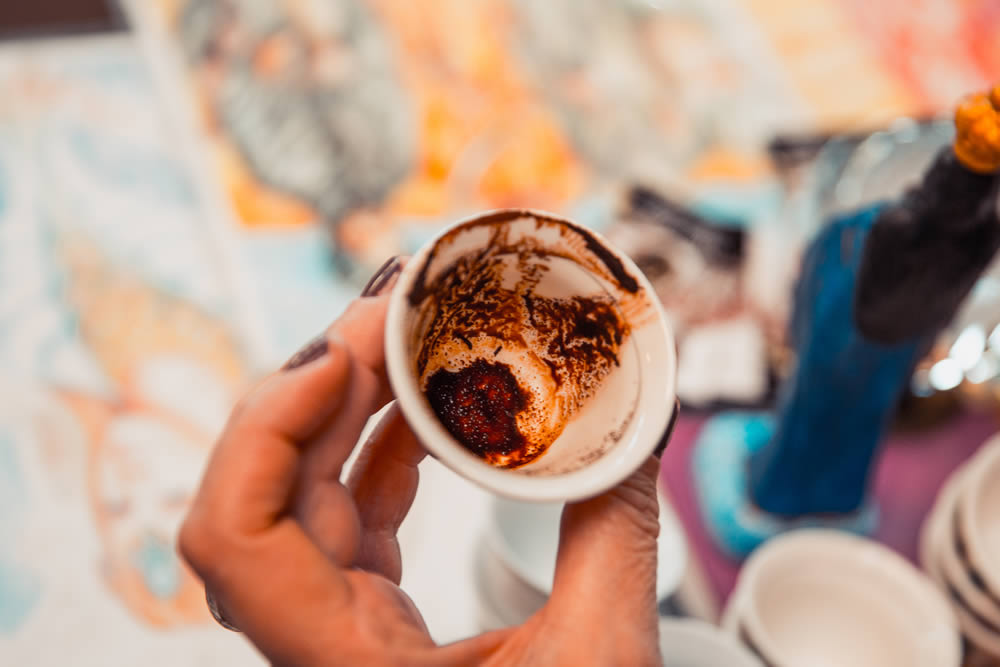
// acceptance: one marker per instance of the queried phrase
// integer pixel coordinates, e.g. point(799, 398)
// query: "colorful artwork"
point(896, 57)
point(335, 133)
point(113, 305)
point(383, 120)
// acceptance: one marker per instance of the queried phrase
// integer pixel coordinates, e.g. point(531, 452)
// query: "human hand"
point(308, 567)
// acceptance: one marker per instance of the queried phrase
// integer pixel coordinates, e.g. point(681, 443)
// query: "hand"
point(308, 567)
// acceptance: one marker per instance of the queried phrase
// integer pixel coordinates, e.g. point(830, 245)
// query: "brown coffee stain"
point(478, 405)
point(578, 339)
point(579, 243)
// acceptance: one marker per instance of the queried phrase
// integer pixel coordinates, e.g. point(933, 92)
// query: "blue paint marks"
point(13, 493)
point(158, 566)
point(129, 167)
point(20, 588)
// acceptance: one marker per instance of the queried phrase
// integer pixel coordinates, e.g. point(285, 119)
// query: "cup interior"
point(823, 598)
point(551, 306)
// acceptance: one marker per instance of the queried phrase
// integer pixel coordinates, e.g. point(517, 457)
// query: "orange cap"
point(977, 131)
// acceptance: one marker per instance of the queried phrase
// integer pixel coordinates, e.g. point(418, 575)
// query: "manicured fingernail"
point(217, 613)
point(312, 351)
point(384, 278)
point(665, 438)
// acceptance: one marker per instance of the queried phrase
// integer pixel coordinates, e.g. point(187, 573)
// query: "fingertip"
point(294, 402)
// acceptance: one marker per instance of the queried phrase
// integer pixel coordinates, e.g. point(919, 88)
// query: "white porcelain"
point(618, 427)
point(936, 531)
point(522, 540)
point(935, 546)
point(979, 515)
point(505, 598)
point(940, 559)
point(731, 615)
point(691, 643)
point(830, 599)
point(954, 569)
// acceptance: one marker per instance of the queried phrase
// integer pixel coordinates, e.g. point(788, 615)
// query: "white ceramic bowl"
point(688, 642)
point(979, 515)
point(524, 537)
point(830, 599)
point(933, 545)
point(618, 427)
point(954, 567)
point(938, 558)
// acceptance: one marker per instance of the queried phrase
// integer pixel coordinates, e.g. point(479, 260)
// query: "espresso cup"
point(531, 356)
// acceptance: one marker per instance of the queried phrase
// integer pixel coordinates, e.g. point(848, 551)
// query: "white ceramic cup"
point(827, 599)
point(686, 642)
point(518, 559)
point(624, 413)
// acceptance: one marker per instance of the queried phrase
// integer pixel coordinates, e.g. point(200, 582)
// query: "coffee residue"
point(479, 405)
point(612, 265)
point(484, 404)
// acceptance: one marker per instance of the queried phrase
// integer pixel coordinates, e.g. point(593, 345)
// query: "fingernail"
point(217, 613)
point(669, 431)
point(384, 278)
point(312, 351)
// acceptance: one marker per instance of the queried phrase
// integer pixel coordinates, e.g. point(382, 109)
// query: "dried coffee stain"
point(610, 265)
point(479, 405)
point(578, 339)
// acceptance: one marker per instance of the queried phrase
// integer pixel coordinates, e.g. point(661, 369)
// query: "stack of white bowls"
point(960, 547)
point(823, 598)
point(517, 559)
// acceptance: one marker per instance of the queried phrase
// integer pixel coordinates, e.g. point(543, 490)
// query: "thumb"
point(607, 555)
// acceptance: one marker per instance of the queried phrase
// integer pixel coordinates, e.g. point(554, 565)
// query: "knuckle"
point(638, 496)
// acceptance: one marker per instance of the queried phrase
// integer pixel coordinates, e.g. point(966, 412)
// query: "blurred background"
point(189, 189)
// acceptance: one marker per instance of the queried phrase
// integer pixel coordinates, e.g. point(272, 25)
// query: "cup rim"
point(894, 566)
point(594, 478)
point(982, 468)
point(957, 574)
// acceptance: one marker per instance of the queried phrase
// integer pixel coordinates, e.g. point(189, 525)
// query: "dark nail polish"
point(669, 431)
point(383, 278)
point(311, 352)
point(217, 613)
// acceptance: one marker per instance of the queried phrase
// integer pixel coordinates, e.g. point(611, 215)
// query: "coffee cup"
point(531, 356)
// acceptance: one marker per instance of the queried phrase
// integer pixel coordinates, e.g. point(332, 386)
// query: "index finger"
point(239, 537)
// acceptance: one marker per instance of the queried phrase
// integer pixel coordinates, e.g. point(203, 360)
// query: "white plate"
point(692, 643)
point(525, 536)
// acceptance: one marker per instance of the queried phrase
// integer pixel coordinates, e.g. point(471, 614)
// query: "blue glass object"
point(835, 408)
